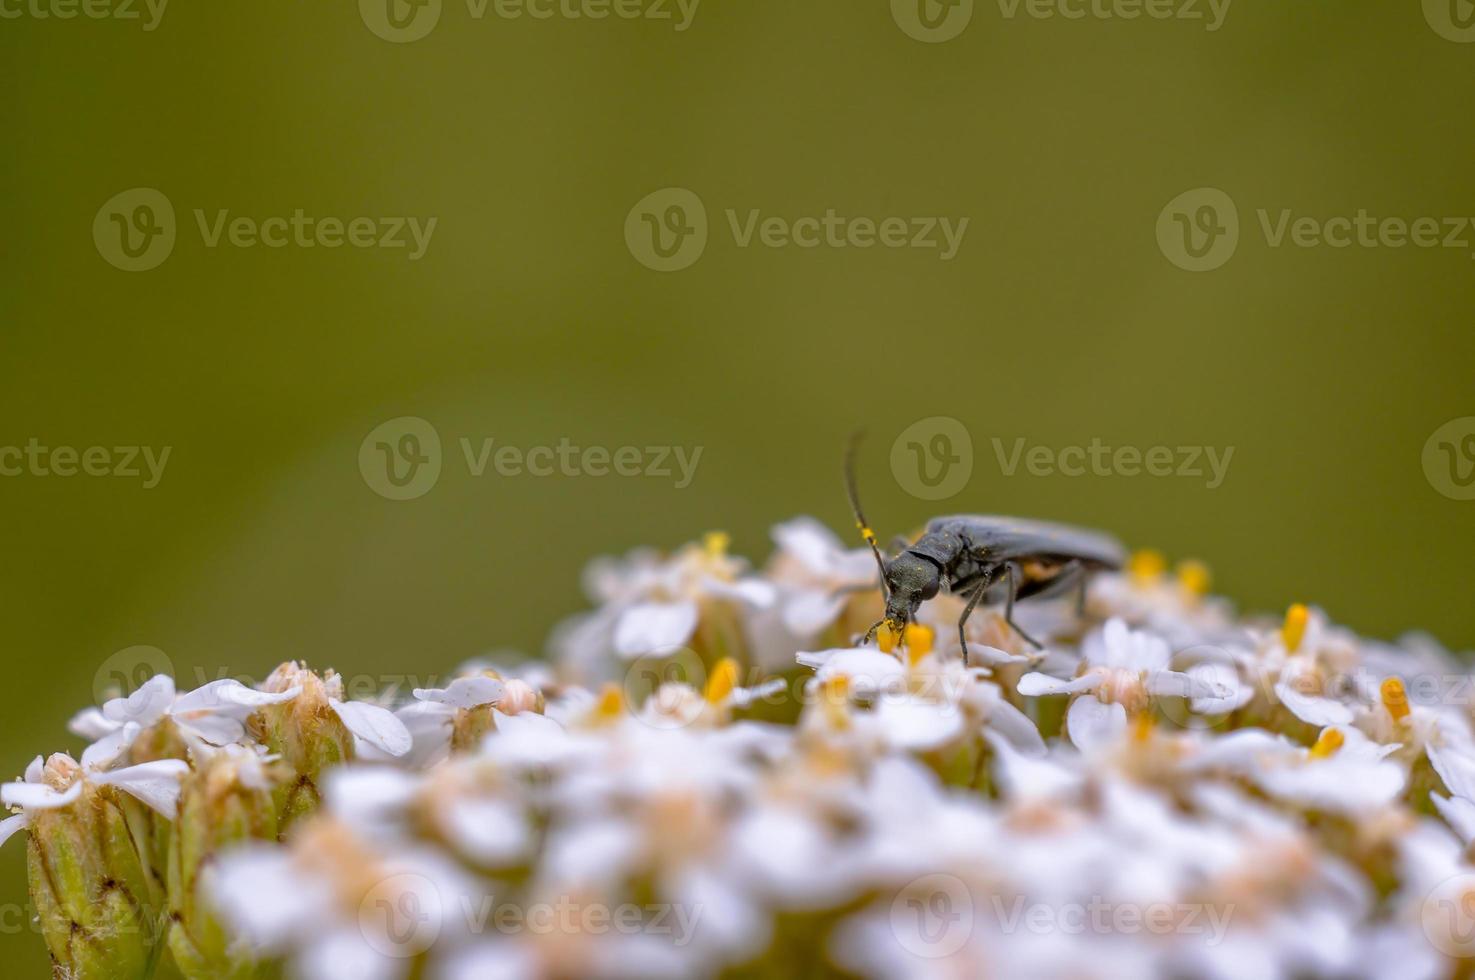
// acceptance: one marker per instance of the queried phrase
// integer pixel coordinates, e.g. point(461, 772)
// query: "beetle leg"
point(973, 600)
point(1012, 572)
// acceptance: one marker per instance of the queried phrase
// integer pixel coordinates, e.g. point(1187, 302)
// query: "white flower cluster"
point(711, 777)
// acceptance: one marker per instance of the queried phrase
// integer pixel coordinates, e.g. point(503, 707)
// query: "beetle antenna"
point(860, 518)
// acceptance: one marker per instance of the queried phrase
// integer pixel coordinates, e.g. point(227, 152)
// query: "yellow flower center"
point(834, 694)
point(723, 680)
point(1395, 698)
point(1327, 744)
point(918, 640)
point(1294, 630)
point(1147, 565)
point(611, 703)
point(716, 543)
point(1194, 576)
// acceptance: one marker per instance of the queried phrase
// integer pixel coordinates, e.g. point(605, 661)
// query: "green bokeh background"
point(529, 321)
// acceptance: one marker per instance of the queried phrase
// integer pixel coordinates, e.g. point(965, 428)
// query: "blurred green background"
point(528, 320)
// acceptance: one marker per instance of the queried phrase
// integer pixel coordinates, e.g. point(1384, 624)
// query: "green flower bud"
point(98, 891)
point(226, 800)
point(306, 732)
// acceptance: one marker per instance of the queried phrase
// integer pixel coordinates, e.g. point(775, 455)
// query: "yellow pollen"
point(918, 641)
point(866, 533)
point(1147, 565)
point(1194, 576)
point(1142, 725)
point(723, 680)
point(1294, 630)
point(834, 693)
point(715, 543)
point(1327, 744)
point(888, 636)
point(611, 702)
point(1395, 698)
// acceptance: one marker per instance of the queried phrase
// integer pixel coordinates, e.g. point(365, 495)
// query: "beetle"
point(985, 558)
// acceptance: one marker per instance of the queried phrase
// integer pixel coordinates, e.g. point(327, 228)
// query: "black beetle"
point(963, 555)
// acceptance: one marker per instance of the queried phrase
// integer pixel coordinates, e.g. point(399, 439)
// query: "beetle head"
point(910, 581)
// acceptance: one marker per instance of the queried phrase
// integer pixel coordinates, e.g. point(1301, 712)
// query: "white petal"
point(655, 627)
point(11, 825)
point(529, 739)
point(227, 693)
point(145, 705)
point(153, 783)
point(1313, 710)
point(490, 831)
point(36, 771)
point(815, 546)
point(214, 729)
point(911, 723)
point(1459, 813)
point(265, 897)
point(110, 748)
point(749, 591)
point(1035, 684)
point(375, 725)
point(464, 692)
point(1016, 726)
point(91, 724)
point(1171, 683)
point(985, 654)
point(806, 612)
point(869, 670)
point(1093, 725)
point(1325, 784)
point(1236, 695)
point(1029, 777)
point(38, 796)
